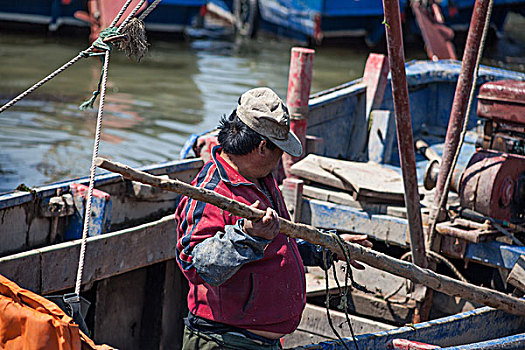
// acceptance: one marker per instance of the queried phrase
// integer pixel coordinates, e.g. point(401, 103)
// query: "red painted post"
point(375, 77)
point(299, 83)
point(405, 138)
point(459, 106)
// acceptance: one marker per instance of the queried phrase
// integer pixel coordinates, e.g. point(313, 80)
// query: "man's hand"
point(267, 227)
point(359, 239)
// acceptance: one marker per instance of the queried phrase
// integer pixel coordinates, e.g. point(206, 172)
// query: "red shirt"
point(268, 294)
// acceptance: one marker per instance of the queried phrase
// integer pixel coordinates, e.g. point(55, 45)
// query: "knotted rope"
point(98, 48)
point(80, 55)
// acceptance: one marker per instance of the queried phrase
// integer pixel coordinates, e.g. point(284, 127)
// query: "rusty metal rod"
point(405, 137)
point(457, 115)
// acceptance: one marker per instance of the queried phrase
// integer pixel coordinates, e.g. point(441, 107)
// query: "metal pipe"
point(405, 138)
point(299, 83)
point(457, 115)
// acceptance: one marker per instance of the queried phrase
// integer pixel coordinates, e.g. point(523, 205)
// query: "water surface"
point(179, 88)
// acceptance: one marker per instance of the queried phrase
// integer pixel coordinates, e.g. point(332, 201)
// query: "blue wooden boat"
point(317, 20)
point(130, 270)
point(478, 329)
point(170, 16)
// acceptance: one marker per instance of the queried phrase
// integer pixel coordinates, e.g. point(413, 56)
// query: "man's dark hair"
point(237, 138)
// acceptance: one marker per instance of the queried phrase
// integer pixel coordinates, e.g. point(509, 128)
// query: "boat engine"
point(493, 183)
point(492, 187)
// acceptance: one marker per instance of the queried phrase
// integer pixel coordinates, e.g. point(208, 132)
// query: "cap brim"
point(291, 145)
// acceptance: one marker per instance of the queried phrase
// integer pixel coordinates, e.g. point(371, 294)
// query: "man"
point(247, 284)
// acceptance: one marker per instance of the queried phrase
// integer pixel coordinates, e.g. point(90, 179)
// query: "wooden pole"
point(373, 258)
point(299, 84)
point(405, 141)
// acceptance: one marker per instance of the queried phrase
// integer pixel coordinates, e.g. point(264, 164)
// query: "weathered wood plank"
point(23, 269)
point(314, 326)
point(174, 307)
point(106, 255)
point(377, 281)
point(517, 274)
point(118, 313)
point(292, 190)
point(378, 284)
point(348, 105)
point(464, 328)
point(340, 217)
point(345, 198)
point(382, 136)
point(362, 179)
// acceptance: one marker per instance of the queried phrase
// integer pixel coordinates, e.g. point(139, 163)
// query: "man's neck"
point(243, 165)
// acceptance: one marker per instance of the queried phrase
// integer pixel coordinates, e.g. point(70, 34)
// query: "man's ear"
point(262, 148)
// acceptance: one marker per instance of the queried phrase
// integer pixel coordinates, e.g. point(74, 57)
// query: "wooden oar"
point(371, 257)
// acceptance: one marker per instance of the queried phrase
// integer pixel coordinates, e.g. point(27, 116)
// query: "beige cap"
point(265, 113)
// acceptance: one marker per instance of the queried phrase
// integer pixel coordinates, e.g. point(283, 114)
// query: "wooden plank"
point(16, 198)
point(309, 169)
point(382, 136)
point(347, 105)
point(106, 255)
point(339, 197)
point(362, 179)
point(370, 301)
point(118, 312)
point(23, 269)
point(517, 274)
point(292, 190)
point(465, 328)
point(379, 282)
point(334, 216)
point(174, 307)
point(314, 327)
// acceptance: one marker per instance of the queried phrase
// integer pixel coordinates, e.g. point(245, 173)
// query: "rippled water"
point(151, 107)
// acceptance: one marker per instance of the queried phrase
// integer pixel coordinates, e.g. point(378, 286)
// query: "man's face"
point(271, 160)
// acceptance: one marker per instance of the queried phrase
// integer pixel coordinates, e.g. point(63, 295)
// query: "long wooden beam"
point(373, 258)
point(53, 268)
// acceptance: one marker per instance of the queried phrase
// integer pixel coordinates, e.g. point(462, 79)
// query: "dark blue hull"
point(169, 16)
point(314, 20)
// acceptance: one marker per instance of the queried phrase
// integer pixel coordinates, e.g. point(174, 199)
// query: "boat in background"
point(314, 21)
point(170, 16)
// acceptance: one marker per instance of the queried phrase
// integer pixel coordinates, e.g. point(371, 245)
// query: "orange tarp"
point(29, 321)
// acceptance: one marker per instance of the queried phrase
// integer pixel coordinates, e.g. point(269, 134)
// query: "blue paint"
point(495, 254)
point(169, 16)
point(469, 327)
point(296, 19)
point(513, 342)
point(100, 219)
point(385, 228)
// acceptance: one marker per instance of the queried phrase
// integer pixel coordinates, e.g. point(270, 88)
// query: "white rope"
point(75, 59)
point(42, 82)
point(131, 14)
point(149, 9)
point(121, 12)
point(87, 214)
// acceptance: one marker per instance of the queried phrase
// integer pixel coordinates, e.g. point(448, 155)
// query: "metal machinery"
point(492, 187)
point(493, 183)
